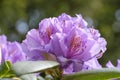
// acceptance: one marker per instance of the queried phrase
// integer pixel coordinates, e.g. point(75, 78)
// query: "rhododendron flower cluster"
point(67, 40)
point(10, 51)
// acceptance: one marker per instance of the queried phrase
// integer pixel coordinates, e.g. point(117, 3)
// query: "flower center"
point(76, 45)
point(49, 32)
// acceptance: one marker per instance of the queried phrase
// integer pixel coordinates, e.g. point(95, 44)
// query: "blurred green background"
point(19, 16)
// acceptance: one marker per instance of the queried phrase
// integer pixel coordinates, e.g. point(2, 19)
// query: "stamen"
point(76, 45)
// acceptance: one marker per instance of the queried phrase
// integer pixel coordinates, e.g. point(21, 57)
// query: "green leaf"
point(27, 67)
point(28, 77)
point(97, 74)
point(5, 70)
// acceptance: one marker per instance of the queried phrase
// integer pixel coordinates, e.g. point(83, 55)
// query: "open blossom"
point(74, 46)
point(37, 39)
point(10, 51)
point(33, 45)
point(63, 24)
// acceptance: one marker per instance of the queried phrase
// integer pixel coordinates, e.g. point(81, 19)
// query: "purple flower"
point(74, 48)
point(91, 64)
point(33, 45)
point(69, 40)
point(110, 65)
point(10, 51)
point(63, 24)
point(37, 39)
point(47, 27)
point(101, 41)
point(67, 21)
